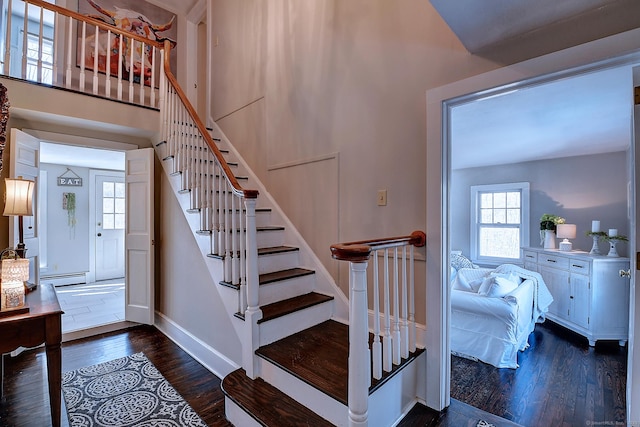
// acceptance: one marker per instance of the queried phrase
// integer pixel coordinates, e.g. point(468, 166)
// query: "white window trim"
point(524, 189)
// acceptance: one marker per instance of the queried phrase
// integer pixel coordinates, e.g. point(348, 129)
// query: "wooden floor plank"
point(526, 396)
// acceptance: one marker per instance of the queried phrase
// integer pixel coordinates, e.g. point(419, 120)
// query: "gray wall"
point(579, 189)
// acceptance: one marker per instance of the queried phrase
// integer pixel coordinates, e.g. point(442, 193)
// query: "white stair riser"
point(284, 289)
point(282, 327)
point(309, 396)
point(269, 239)
point(264, 239)
point(279, 261)
point(237, 416)
point(391, 402)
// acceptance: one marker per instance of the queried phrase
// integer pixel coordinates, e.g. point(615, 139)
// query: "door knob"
point(99, 234)
point(625, 273)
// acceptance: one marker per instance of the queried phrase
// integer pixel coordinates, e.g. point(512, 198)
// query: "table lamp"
point(18, 201)
point(566, 232)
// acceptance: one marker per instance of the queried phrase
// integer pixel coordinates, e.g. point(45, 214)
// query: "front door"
point(109, 225)
point(24, 162)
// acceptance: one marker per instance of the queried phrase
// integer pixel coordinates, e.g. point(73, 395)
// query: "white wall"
point(325, 100)
point(579, 189)
point(67, 250)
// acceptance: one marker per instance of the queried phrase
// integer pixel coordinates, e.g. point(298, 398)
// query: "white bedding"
point(491, 329)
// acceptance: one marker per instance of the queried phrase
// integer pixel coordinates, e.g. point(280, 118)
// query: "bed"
point(493, 311)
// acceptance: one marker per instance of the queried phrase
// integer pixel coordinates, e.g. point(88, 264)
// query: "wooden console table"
point(42, 324)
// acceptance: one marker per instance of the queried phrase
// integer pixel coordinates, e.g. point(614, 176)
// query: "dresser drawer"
point(530, 256)
point(579, 266)
point(553, 261)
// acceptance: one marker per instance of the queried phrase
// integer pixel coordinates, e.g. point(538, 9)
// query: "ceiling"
point(588, 114)
point(514, 30)
point(73, 155)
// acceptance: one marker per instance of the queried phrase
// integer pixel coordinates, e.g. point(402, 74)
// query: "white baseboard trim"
point(67, 279)
point(206, 355)
point(102, 329)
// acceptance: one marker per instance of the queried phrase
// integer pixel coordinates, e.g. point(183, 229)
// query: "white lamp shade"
point(566, 231)
point(18, 197)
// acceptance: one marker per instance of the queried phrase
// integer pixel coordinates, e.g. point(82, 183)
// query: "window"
point(33, 56)
point(113, 205)
point(499, 222)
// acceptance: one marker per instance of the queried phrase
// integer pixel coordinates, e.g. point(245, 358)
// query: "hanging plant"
point(69, 204)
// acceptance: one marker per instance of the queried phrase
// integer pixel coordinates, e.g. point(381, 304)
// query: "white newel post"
point(359, 354)
point(253, 313)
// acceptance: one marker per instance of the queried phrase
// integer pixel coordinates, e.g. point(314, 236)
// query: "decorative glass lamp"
point(15, 271)
point(566, 232)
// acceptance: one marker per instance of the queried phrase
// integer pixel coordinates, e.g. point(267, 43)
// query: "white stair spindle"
point(69, 53)
point(107, 81)
point(58, 23)
point(235, 267)
point(142, 71)
point(23, 73)
point(132, 48)
point(387, 359)
point(404, 327)
point(83, 55)
point(40, 39)
point(412, 303)
point(96, 43)
point(6, 66)
point(396, 310)
point(377, 345)
point(120, 59)
point(152, 100)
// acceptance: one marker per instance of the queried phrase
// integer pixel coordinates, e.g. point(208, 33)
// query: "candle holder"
point(596, 235)
point(613, 241)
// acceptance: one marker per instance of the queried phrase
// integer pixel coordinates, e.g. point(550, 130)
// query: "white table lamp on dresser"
point(566, 232)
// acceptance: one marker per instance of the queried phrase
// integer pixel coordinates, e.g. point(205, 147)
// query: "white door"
point(633, 364)
point(24, 161)
point(109, 226)
point(139, 250)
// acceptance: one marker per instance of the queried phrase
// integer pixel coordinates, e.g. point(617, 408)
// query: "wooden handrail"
point(361, 250)
point(94, 21)
point(231, 179)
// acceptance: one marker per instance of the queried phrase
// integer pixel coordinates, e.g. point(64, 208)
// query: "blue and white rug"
point(124, 392)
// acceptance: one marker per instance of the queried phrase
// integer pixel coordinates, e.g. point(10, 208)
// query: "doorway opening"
point(82, 215)
point(582, 206)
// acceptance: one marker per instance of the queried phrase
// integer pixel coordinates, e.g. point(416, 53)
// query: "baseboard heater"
point(65, 279)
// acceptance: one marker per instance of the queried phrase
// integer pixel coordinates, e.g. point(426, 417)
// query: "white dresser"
point(590, 292)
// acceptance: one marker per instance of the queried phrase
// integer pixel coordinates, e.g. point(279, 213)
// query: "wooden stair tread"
point(290, 305)
point(276, 250)
point(320, 357)
point(267, 404)
point(278, 276)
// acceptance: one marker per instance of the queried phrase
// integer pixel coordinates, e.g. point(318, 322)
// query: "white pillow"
point(460, 283)
point(497, 286)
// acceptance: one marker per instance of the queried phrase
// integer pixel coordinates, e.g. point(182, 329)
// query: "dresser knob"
point(625, 273)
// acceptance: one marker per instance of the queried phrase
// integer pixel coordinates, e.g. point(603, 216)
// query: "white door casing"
point(139, 235)
point(24, 161)
point(633, 369)
point(109, 225)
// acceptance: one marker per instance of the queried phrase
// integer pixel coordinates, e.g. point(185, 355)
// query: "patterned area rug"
point(124, 392)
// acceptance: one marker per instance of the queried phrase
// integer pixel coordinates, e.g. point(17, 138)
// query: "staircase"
point(303, 347)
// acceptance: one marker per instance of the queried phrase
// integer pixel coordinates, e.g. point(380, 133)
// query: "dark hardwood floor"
point(561, 381)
